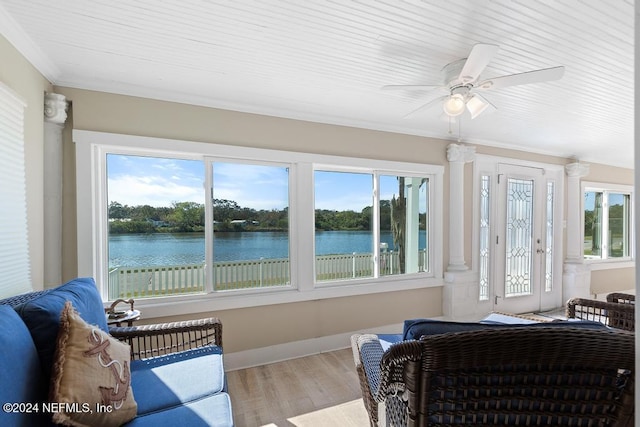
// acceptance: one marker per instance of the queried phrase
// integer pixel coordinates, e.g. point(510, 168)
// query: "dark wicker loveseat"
point(525, 376)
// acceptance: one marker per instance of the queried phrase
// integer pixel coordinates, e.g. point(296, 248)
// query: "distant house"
point(243, 222)
point(157, 223)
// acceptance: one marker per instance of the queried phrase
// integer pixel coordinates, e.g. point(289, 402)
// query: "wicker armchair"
point(509, 376)
point(621, 298)
point(614, 314)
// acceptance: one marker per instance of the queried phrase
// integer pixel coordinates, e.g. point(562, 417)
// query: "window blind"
point(15, 270)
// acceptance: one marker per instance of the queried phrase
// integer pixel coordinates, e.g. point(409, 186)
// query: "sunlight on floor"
point(353, 412)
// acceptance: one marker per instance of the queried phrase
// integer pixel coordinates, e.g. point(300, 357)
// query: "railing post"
point(353, 265)
point(261, 263)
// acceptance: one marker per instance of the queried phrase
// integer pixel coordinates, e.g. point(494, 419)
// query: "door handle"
point(540, 251)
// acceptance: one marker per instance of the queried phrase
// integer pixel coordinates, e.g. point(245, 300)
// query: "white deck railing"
point(126, 282)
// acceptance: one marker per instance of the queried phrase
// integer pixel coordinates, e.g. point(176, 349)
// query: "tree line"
point(229, 216)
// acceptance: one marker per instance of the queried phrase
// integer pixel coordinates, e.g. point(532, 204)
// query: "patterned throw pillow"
point(91, 377)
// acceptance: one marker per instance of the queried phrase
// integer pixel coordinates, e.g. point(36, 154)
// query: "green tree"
point(130, 227)
point(385, 215)
point(144, 213)
point(118, 211)
point(225, 210)
point(187, 215)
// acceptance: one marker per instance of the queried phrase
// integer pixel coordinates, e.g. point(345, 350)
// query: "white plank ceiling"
point(326, 61)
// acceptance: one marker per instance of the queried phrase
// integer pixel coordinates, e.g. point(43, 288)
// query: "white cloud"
point(155, 191)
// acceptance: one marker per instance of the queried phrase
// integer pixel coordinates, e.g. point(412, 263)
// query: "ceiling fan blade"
point(537, 76)
point(425, 106)
point(480, 56)
point(478, 105)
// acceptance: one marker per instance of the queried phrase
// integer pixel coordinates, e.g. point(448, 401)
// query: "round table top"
point(123, 316)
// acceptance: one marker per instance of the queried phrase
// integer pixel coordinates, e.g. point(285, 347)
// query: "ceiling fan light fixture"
point(476, 106)
point(454, 105)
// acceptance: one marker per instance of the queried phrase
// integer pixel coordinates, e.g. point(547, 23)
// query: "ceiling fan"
point(461, 79)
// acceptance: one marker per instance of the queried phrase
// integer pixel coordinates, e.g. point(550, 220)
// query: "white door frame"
point(485, 165)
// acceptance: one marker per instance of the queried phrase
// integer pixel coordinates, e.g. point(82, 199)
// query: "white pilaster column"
point(576, 277)
point(460, 293)
point(457, 155)
point(55, 114)
point(574, 250)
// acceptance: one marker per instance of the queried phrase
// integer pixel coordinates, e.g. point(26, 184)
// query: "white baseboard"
point(291, 350)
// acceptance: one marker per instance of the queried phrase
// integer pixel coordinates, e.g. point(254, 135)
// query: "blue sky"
point(590, 200)
point(134, 180)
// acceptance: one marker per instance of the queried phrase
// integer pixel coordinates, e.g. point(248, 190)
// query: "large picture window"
point(349, 246)
point(156, 244)
point(250, 226)
point(193, 221)
point(607, 223)
point(404, 224)
point(344, 237)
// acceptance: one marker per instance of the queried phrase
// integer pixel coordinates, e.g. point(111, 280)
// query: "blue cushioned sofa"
point(177, 373)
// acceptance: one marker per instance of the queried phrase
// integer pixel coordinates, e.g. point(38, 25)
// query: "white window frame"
point(209, 217)
point(604, 262)
point(375, 223)
point(92, 148)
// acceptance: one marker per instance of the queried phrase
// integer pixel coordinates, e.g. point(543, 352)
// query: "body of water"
point(137, 250)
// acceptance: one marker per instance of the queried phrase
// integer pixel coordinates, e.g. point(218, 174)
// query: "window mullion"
point(209, 284)
point(605, 232)
point(302, 227)
point(376, 225)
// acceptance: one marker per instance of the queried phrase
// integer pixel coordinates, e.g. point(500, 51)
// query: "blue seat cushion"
point(386, 340)
point(168, 381)
point(20, 372)
point(42, 315)
point(415, 328)
point(209, 411)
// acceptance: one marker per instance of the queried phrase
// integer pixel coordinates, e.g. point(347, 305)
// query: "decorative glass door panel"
point(519, 238)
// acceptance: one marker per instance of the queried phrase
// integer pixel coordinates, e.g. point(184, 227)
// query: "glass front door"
point(524, 238)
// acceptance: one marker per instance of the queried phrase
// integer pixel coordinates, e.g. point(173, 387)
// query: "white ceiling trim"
point(23, 43)
point(201, 101)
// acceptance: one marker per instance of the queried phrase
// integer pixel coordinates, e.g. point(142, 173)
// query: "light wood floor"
point(313, 391)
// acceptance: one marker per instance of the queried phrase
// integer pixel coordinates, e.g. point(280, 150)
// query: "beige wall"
point(605, 281)
point(257, 327)
point(18, 74)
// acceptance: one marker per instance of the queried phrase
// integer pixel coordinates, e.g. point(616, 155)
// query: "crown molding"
point(14, 33)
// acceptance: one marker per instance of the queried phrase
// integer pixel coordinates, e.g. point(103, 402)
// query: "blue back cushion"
point(415, 328)
point(42, 315)
point(20, 371)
